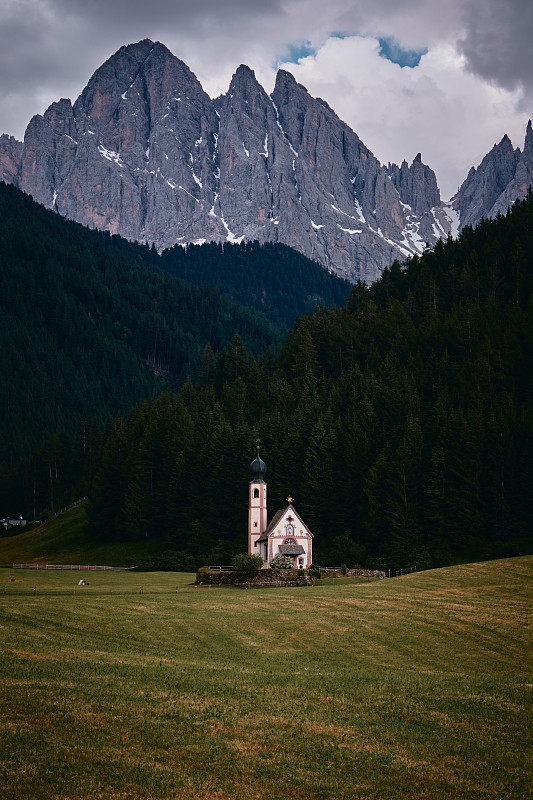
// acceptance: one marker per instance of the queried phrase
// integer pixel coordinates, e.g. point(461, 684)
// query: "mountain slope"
point(272, 278)
point(144, 152)
point(90, 324)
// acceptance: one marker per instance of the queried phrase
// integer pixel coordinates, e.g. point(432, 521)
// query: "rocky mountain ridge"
point(145, 153)
point(504, 175)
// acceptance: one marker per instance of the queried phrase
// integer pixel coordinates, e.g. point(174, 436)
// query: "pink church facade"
point(286, 533)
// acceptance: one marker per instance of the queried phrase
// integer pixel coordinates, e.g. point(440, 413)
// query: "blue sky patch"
point(389, 48)
point(392, 51)
point(294, 52)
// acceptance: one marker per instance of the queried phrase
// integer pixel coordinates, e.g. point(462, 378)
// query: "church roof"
point(276, 519)
point(291, 549)
point(273, 522)
point(258, 469)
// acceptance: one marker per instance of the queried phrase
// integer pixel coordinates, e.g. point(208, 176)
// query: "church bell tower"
point(257, 503)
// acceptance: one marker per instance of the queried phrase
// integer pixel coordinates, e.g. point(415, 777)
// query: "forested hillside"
point(402, 424)
point(269, 277)
point(91, 324)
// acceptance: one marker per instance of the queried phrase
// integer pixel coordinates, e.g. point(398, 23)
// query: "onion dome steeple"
point(258, 468)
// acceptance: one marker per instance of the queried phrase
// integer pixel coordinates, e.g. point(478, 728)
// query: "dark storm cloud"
point(23, 46)
point(497, 41)
point(49, 48)
point(122, 15)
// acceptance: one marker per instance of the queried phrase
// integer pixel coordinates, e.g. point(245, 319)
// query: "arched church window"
point(289, 541)
point(256, 492)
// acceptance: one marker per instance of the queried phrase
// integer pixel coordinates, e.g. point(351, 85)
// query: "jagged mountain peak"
point(287, 90)
point(503, 175)
point(243, 73)
point(146, 153)
point(416, 185)
point(286, 86)
point(286, 78)
point(57, 114)
point(109, 82)
point(138, 49)
point(145, 69)
point(245, 84)
point(505, 145)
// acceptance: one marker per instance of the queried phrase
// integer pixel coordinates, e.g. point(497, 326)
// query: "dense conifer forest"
point(91, 324)
point(402, 424)
point(271, 277)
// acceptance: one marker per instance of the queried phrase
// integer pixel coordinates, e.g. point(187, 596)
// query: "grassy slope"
point(62, 540)
point(144, 686)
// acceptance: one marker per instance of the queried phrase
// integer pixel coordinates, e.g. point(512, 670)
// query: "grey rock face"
point(416, 185)
point(504, 175)
point(427, 216)
point(10, 158)
point(522, 179)
point(349, 214)
point(145, 153)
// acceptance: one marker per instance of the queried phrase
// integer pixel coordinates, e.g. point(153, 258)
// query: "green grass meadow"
point(63, 540)
point(145, 686)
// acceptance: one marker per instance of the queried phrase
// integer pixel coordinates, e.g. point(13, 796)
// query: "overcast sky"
point(447, 78)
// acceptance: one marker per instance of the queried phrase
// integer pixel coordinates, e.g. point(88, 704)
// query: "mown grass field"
point(144, 686)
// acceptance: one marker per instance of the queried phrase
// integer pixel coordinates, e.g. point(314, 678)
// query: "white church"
point(287, 533)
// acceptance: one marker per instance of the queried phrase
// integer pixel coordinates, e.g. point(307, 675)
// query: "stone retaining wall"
point(354, 573)
point(265, 577)
point(279, 577)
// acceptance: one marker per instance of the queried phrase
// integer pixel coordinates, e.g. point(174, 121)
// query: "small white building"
point(287, 533)
point(13, 523)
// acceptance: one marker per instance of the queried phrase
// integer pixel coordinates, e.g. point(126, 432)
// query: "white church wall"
point(291, 527)
point(257, 513)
